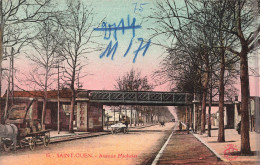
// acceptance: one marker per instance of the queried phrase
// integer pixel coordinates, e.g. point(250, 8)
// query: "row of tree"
point(140, 114)
point(52, 38)
point(134, 81)
point(55, 40)
point(207, 39)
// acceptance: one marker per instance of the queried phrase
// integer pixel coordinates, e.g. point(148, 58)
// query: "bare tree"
point(14, 14)
point(44, 58)
point(247, 34)
point(133, 81)
point(77, 28)
point(242, 27)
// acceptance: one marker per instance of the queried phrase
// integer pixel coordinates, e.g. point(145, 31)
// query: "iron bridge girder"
point(137, 97)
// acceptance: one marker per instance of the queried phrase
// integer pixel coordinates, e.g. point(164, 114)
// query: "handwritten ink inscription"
point(122, 28)
point(139, 7)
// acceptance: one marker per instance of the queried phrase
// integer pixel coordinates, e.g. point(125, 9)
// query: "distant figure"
point(239, 127)
point(180, 126)
point(126, 123)
point(162, 123)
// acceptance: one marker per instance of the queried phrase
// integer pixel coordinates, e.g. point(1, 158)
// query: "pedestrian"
point(238, 127)
point(180, 126)
point(126, 123)
point(126, 128)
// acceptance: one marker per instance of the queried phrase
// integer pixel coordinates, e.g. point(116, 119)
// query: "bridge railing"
point(137, 97)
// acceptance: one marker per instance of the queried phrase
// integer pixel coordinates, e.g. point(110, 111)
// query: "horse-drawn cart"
point(119, 127)
point(30, 131)
point(31, 139)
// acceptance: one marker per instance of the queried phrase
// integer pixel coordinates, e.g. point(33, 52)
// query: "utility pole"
point(12, 76)
point(1, 55)
point(58, 111)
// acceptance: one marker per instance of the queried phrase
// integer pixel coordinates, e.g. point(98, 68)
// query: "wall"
point(95, 117)
point(89, 117)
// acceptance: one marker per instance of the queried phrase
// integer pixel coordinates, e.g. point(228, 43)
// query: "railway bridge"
point(90, 103)
point(151, 98)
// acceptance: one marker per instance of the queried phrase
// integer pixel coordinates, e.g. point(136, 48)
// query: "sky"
point(103, 72)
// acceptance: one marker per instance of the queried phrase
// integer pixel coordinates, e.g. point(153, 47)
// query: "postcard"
point(129, 82)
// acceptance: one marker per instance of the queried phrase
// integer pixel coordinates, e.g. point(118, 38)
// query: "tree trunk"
point(209, 115)
point(72, 110)
point(203, 110)
point(131, 117)
point(114, 115)
point(43, 112)
point(244, 79)
point(210, 104)
point(7, 91)
point(187, 120)
point(221, 130)
point(137, 120)
point(204, 98)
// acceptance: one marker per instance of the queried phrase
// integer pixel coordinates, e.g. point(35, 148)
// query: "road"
point(140, 146)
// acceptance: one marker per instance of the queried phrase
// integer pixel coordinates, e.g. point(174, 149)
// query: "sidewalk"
point(66, 136)
point(184, 148)
point(232, 143)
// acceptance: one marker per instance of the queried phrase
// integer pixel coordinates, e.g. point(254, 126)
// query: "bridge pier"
point(237, 117)
point(89, 116)
point(195, 115)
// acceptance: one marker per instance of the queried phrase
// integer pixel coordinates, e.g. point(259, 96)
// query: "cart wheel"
point(7, 147)
point(46, 139)
point(32, 143)
point(21, 144)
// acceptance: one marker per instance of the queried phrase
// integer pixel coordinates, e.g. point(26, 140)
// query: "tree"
point(242, 28)
point(14, 16)
point(247, 34)
point(77, 24)
point(44, 58)
point(133, 81)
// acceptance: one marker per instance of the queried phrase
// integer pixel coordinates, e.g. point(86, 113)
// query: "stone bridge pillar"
point(195, 112)
point(237, 117)
point(89, 116)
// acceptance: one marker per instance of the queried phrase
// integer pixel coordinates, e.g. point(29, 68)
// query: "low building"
point(87, 116)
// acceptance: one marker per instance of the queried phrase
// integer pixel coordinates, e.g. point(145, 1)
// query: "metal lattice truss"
point(138, 97)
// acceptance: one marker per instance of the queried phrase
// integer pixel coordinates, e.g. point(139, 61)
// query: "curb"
point(74, 137)
point(211, 149)
point(56, 139)
point(160, 153)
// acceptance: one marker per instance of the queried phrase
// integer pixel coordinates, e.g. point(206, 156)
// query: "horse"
point(162, 123)
point(9, 131)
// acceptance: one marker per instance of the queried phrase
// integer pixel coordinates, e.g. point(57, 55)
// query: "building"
point(87, 117)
